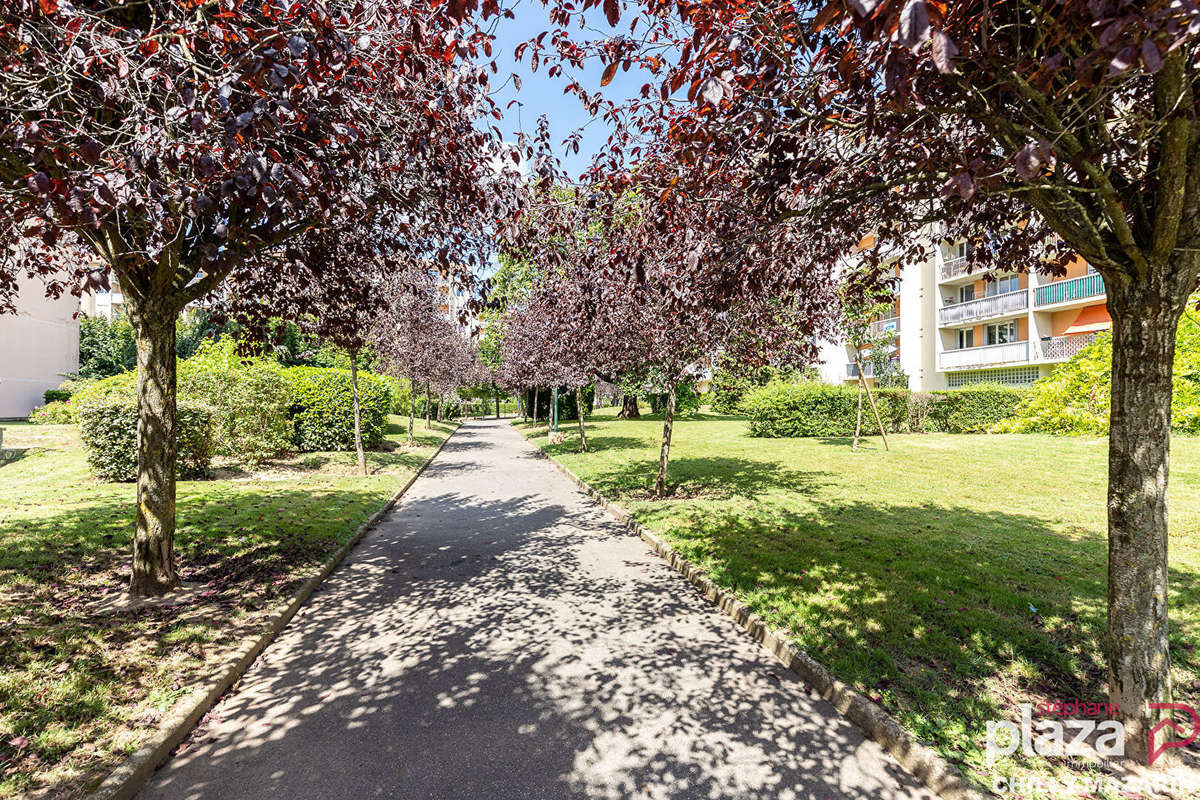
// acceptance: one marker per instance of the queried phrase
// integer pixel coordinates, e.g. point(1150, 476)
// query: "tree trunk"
point(358, 445)
point(862, 379)
point(629, 407)
point(1144, 332)
point(428, 406)
point(535, 399)
point(441, 406)
point(154, 571)
point(579, 413)
point(497, 402)
point(858, 419)
point(412, 410)
point(660, 485)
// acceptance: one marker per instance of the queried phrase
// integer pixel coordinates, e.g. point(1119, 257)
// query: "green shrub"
point(106, 347)
point(727, 391)
point(108, 427)
point(322, 408)
point(687, 400)
point(566, 402)
point(55, 412)
point(972, 409)
point(120, 386)
point(814, 409)
point(732, 380)
point(398, 393)
point(59, 395)
point(249, 398)
point(1077, 397)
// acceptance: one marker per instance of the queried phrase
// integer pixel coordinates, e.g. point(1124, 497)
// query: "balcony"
point(1061, 348)
point(1082, 288)
point(868, 369)
point(988, 356)
point(998, 305)
point(884, 326)
point(953, 268)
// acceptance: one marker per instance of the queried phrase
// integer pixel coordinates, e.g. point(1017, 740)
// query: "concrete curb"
point(128, 778)
point(926, 765)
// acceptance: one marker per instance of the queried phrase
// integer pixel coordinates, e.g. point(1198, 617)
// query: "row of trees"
point(604, 303)
point(202, 150)
point(418, 342)
point(1038, 132)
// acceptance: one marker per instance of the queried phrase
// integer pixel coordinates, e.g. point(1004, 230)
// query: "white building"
point(953, 328)
point(103, 304)
point(38, 346)
point(452, 301)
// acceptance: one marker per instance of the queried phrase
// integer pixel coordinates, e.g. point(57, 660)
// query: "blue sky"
point(542, 95)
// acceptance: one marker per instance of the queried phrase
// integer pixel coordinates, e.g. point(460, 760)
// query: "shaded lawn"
point(79, 689)
point(949, 579)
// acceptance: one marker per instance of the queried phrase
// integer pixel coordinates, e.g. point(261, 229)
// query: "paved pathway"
point(498, 636)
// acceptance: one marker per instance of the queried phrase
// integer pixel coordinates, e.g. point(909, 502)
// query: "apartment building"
point(39, 345)
point(453, 303)
point(951, 328)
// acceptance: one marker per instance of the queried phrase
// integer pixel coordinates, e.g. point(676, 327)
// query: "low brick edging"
point(128, 778)
point(926, 765)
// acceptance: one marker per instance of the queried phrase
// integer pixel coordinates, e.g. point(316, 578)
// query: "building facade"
point(951, 328)
point(103, 304)
point(39, 345)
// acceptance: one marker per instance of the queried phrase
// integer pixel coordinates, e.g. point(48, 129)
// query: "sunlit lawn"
point(80, 688)
point(949, 579)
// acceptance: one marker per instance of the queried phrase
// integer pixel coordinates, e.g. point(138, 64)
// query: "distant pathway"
point(498, 636)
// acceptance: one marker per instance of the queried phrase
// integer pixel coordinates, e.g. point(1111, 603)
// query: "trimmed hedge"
point(108, 427)
point(817, 409)
point(973, 409)
point(322, 408)
point(59, 395)
point(249, 399)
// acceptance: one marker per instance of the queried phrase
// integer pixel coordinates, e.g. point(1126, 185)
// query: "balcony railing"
point(881, 326)
point(1074, 289)
point(868, 369)
point(953, 267)
point(995, 306)
point(972, 357)
point(1060, 348)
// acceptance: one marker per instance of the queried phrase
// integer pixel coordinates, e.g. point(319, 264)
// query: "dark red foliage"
point(172, 143)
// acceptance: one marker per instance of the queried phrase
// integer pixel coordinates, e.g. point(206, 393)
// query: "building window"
point(1001, 333)
point(1002, 285)
point(966, 293)
point(966, 338)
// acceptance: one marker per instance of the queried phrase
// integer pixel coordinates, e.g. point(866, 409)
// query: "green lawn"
point(949, 579)
point(79, 689)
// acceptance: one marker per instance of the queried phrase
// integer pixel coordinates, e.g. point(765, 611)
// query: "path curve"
point(499, 636)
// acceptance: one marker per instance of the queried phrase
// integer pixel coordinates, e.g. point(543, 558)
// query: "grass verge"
point(949, 579)
point(79, 690)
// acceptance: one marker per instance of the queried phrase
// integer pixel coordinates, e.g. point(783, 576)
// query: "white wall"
point(37, 345)
point(833, 356)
